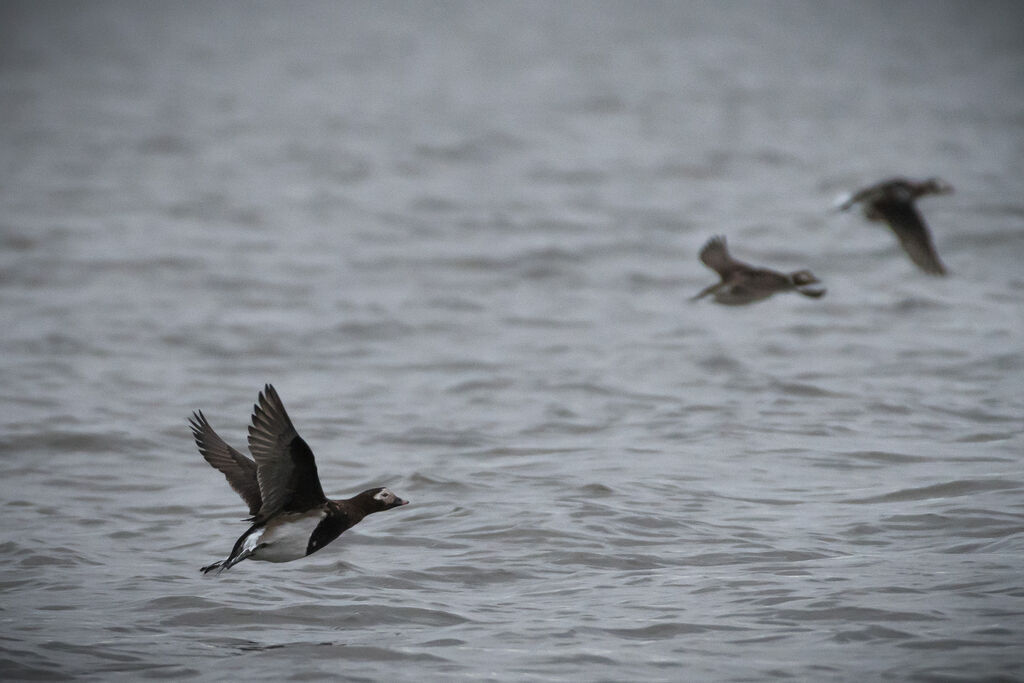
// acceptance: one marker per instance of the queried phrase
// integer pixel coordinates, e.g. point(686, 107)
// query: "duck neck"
point(352, 514)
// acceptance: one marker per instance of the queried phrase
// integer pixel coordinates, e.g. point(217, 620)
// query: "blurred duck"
point(743, 284)
point(892, 201)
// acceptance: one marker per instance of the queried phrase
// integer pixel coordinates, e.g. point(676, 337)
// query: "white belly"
point(285, 538)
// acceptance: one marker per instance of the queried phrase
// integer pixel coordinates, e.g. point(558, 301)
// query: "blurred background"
point(459, 238)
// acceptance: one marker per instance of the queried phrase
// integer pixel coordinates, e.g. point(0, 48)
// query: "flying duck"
point(892, 201)
point(291, 517)
point(743, 284)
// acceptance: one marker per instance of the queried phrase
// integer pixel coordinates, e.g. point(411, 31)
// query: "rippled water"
point(459, 239)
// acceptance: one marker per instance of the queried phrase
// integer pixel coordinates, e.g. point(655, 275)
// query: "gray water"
point(459, 239)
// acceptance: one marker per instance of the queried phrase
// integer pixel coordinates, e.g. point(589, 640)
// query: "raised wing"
point(913, 234)
point(715, 255)
point(239, 470)
point(285, 466)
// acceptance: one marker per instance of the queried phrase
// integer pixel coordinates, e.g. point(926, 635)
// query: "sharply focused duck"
point(291, 516)
point(743, 284)
point(892, 201)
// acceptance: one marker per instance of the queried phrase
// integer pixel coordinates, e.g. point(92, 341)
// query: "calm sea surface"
point(459, 239)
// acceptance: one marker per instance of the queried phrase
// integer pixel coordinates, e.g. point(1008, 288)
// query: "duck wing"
point(715, 255)
point(284, 463)
point(239, 470)
point(915, 238)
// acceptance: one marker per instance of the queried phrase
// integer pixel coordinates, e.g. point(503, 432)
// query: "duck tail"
point(219, 565)
point(704, 292)
point(233, 559)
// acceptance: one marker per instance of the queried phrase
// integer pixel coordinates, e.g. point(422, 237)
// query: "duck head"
point(803, 277)
point(802, 281)
point(381, 498)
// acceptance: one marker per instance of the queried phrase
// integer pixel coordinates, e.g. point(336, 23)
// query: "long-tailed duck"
point(291, 516)
point(892, 201)
point(743, 284)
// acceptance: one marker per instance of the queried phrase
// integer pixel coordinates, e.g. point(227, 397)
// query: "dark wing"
point(913, 234)
point(715, 255)
point(284, 463)
point(239, 470)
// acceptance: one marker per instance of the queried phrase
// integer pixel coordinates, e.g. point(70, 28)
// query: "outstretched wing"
point(715, 255)
point(285, 466)
point(913, 234)
point(239, 470)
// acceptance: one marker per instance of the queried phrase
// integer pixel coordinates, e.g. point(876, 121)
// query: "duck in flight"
point(291, 516)
point(893, 202)
point(743, 284)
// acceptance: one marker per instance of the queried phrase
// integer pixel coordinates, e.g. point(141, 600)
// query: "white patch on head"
point(385, 496)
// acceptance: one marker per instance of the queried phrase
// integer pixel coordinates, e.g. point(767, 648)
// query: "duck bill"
point(842, 202)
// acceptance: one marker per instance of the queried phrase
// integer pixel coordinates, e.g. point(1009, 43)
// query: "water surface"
point(459, 240)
